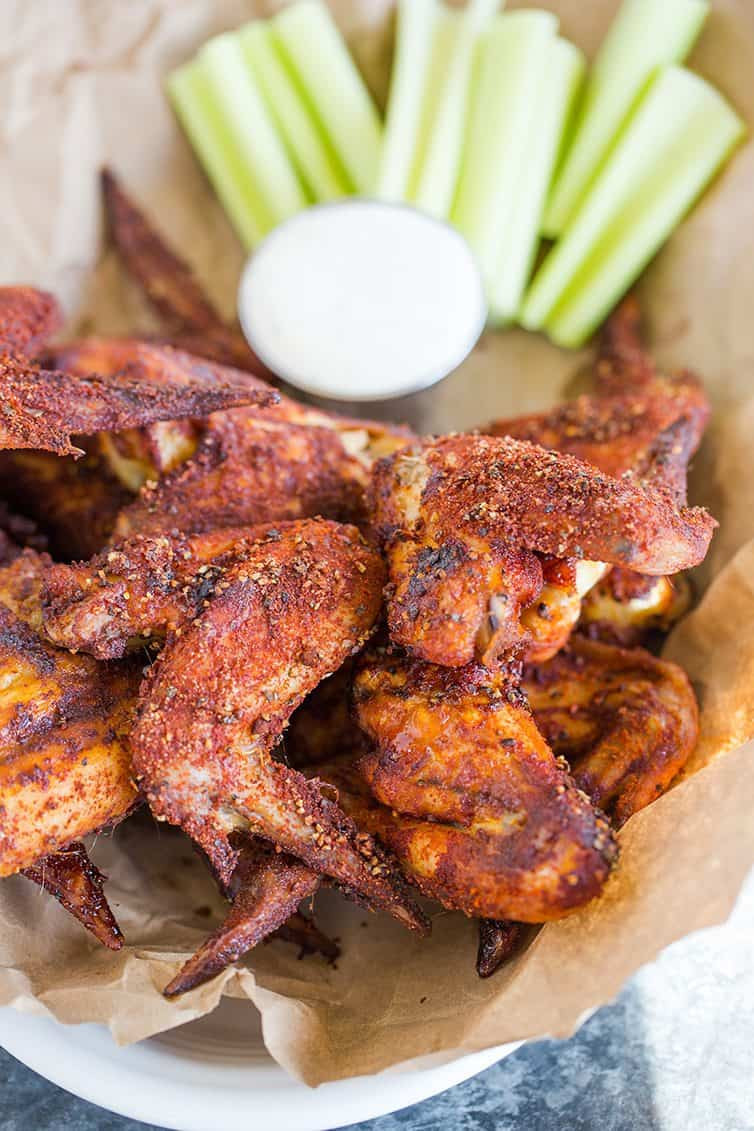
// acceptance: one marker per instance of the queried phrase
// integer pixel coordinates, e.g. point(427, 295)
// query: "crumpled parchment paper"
point(80, 84)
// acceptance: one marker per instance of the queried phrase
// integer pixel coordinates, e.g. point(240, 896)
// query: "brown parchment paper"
point(80, 84)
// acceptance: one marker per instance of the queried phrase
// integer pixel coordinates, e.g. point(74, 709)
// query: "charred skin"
point(224, 687)
point(267, 888)
point(45, 408)
point(490, 822)
point(626, 721)
point(78, 885)
point(451, 598)
point(511, 500)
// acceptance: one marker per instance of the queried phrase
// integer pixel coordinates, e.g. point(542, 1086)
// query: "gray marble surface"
point(675, 1052)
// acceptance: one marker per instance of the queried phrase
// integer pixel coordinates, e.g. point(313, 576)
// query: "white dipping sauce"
point(362, 300)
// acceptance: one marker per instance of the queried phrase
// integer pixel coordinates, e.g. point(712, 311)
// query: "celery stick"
point(261, 154)
point(308, 148)
point(318, 55)
point(416, 22)
point(444, 38)
point(560, 82)
point(437, 176)
point(644, 35)
point(189, 94)
point(513, 57)
point(681, 132)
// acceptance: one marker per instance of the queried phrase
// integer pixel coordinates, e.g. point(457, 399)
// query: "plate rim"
point(51, 1049)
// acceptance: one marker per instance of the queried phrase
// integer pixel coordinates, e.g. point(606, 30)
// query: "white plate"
point(205, 1075)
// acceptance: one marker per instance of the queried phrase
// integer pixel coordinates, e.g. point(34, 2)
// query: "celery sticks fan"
point(493, 123)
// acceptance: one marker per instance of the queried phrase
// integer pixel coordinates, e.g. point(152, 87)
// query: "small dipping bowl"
point(362, 300)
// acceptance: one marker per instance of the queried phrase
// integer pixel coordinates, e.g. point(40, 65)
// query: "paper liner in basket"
point(80, 84)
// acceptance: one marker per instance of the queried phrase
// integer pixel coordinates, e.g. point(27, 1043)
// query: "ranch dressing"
point(362, 300)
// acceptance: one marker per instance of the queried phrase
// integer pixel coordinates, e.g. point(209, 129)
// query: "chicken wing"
point(639, 423)
point(625, 720)
point(170, 284)
point(626, 723)
point(491, 824)
point(477, 507)
point(64, 723)
point(248, 471)
point(287, 460)
point(64, 766)
point(145, 587)
point(78, 885)
point(213, 706)
point(322, 730)
point(44, 408)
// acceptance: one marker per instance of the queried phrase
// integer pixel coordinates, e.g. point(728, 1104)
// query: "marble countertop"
point(674, 1052)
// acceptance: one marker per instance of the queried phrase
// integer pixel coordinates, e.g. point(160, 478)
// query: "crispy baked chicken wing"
point(44, 408)
point(286, 460)
point(170, 284)
point(288, 613)
point(64, 723)
point(639, 423)
point(145, 587)
point(491, 824)
point(625, 720)
point(466, 520)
